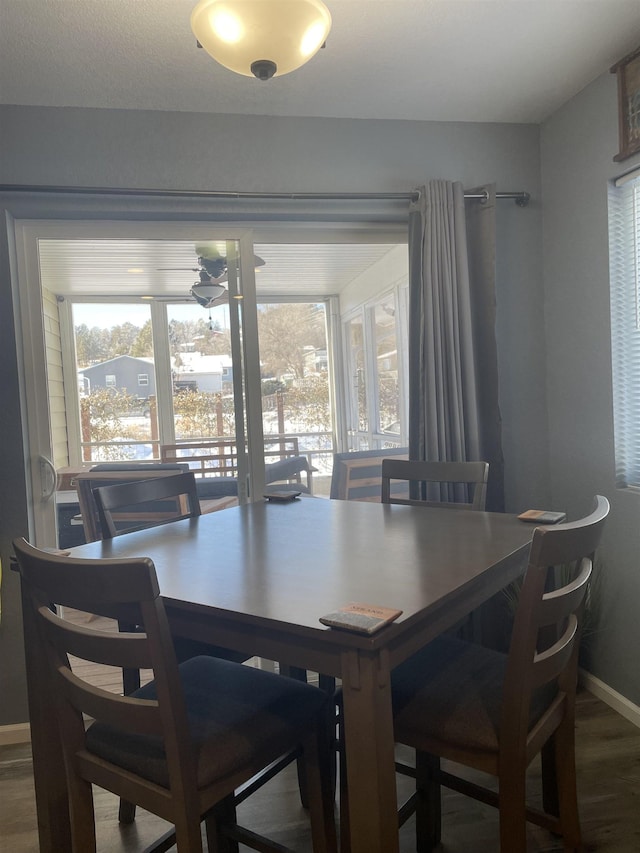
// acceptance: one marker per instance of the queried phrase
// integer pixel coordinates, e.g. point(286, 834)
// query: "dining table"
point(256, 578)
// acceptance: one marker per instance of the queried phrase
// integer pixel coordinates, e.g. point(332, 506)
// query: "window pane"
point(387, 368)
point(295, 388)
point(117, 412)
point(624, 251)
point(358, 377)
point(202, 372)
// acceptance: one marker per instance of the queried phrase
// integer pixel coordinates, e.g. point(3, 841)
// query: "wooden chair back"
point(455, 485)
point(546, 633)
point(357, 476)
point(129, 589)
point(125, 507)
point(86, 482)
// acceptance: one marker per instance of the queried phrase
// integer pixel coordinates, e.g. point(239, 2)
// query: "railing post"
point(280, 410)
point(85, 426)
point(219, 420)
point(153, 423)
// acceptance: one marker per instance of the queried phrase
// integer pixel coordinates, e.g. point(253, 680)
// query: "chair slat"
point(436, 480)
point(102, 647)
point(125, 713)
point(548, 665)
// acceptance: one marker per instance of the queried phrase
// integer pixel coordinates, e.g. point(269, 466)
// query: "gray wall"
point(13, 510)
point(192, 151)
point(577, 148)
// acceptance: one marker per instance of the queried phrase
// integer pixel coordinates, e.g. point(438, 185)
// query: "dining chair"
point(455, 485)
point(449, 485)
point(134, 505)
point(174, 497)
point(181, 745)
point(495, 712)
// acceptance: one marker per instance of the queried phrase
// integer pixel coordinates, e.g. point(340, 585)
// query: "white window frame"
point(366, 311)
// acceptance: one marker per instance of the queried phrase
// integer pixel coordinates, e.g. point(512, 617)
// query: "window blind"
point(624, 255)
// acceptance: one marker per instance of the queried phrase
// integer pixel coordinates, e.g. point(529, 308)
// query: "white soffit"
point(129, 268)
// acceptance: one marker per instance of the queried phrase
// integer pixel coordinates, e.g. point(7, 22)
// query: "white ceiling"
point(134, 268)
point(440, 60)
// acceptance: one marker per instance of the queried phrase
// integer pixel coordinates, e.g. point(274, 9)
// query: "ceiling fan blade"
point(212, 250)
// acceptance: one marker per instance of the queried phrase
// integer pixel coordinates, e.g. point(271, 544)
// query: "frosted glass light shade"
point(262, 38)
point(206, 293)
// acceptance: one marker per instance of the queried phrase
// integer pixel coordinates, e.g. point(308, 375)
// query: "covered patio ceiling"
point(167, 269)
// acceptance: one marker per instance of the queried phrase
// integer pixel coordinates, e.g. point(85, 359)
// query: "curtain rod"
point(521, 198)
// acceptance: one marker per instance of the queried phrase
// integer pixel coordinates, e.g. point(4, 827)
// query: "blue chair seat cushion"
point(236, 713)
point(451, 691)
point(140, 466)
point(285, 468)
point(216, 487)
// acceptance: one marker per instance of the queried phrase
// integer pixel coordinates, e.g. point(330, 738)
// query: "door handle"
point(48, 478)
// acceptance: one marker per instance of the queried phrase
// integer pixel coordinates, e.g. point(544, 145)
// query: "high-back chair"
point(162, 500)
point(495, 712)
point(180, 745)
point(456, 485)
point(125, 507)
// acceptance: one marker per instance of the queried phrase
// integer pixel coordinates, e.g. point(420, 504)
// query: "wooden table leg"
point(52, 802)
point(369, 747)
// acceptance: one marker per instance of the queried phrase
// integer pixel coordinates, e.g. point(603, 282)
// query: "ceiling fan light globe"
point(241, 33)
point(204, 294)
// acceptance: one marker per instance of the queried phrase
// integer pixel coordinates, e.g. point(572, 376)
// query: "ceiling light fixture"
point(261, 38)
point(206, 293)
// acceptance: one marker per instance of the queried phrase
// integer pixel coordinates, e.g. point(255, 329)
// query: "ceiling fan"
point(212, 270)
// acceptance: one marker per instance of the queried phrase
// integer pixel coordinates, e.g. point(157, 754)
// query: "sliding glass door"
point(138, 336)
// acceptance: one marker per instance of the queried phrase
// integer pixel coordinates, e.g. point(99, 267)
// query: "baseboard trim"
point(611, 697)
point(16, 733)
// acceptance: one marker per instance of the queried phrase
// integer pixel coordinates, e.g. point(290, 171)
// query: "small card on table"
point(542, 516)
point(362, 618)
point(281, 495)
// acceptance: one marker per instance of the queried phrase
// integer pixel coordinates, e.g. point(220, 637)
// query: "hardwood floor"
point(608, 749)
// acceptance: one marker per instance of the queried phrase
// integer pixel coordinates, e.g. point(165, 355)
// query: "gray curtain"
point(453, 372)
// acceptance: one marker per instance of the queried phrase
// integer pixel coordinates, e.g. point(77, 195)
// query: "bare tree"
point(286, 333)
